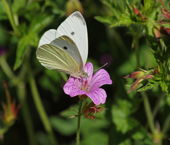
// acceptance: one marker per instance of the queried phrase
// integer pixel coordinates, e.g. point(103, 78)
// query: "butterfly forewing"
point(75, 28)
point(55, 58)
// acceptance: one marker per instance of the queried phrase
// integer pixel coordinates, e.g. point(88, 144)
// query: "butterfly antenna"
point(101, 67)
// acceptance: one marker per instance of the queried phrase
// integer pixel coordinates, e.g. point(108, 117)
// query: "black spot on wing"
point(65, 47)
point(72, 33)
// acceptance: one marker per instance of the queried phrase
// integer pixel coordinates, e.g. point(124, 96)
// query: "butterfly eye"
point(65, 47)
point(72, 33)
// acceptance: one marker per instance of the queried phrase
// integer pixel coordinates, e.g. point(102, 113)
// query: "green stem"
point(6, 67)
point(21, 91)
point(121, 5)
point(78, 123)
point(39, 105)
point(11, 17)
point(148, 112)
point(21, 95)
point(166, 125)
point(136, 43)
point(157, 105)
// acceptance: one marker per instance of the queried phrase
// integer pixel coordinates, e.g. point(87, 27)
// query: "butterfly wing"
point(58, 56)
point(47, 37)
point(75, 28)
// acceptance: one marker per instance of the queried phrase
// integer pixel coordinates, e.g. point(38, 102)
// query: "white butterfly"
point(66, 48)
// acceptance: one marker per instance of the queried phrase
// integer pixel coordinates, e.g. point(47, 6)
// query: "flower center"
point(84, 86)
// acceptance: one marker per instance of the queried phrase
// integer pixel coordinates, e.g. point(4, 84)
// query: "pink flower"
point(90, 85)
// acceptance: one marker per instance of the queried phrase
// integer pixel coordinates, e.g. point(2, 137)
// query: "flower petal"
point(100, 78)
point(72, 87)
point(88, 68)
point(47, 37)
point(97, 96)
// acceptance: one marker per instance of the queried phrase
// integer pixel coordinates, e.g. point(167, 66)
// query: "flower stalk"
point(78, 122)
point(11, 17)
point(148, 113)
point(39, 105)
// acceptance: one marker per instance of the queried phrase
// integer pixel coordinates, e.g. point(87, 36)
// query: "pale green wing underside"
point(67, 45)
point(55, 58)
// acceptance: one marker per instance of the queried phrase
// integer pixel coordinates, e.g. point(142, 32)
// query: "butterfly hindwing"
point(67, 45)
point(54, 57)
point(47, 37)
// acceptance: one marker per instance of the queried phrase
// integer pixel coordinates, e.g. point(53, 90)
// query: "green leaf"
point(128, 18)
point(107, 19)
point(92, 132)
point(39, 22)
point(63, 125)
point(150, 85)
point(150, 8)
point(27, 40)
point(17, 5)
point(42, 138)
point(164, 86)
point(22, 45)
point(3, 17)
point(122, 121)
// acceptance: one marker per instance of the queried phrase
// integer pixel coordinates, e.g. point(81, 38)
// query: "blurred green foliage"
point(125, 41)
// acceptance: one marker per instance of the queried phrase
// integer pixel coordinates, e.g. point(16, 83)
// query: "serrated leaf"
point(122, 121)
point(123, 21)
point(163, 46)
point(150, 8)
point(39, 22)
point(148, 4)
point(128, 18)
point(164, 86)
point(148, 86)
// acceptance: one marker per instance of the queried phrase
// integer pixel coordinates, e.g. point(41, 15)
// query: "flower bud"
point(78, 6)
point(135, 75)
point(10, 110)
point(165, 31)
point(90, 110)
point(150, 76)
point(69, 7)
point(73, 5)
point(136, 11)
point(156, 72)
point(157, 33)
point(135, 85)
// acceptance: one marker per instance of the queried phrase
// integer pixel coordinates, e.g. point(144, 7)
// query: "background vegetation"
point(120, 37)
